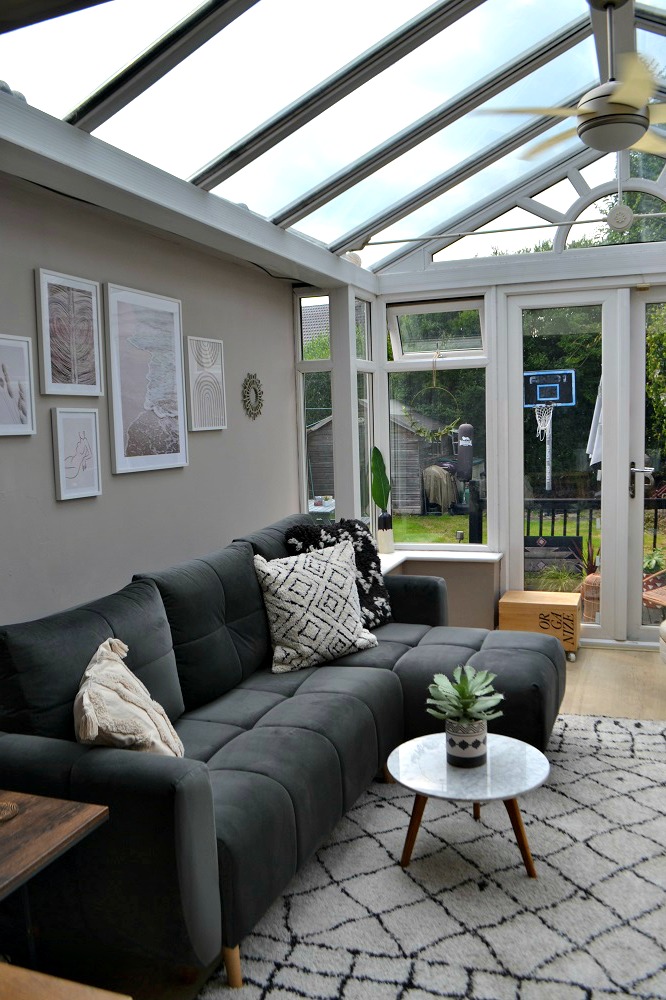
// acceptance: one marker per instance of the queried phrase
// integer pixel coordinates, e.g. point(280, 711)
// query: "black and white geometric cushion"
point(312, 606)
point(372, 592)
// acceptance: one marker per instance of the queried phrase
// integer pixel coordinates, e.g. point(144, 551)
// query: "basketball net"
point(544, 416)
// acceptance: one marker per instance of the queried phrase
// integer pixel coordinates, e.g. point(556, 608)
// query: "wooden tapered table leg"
point(476, 810)
point(232, 964)
point(413, 829)
point(521, 837)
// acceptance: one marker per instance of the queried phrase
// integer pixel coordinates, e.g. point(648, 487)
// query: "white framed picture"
point(206, 403)
point(76, 452)
point(146, 381)
point(68, 318)
point(17, 390)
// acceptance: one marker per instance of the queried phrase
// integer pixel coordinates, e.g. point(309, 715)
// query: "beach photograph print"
point(76, 453)
point(207, 408)
point(17, 395)
point(145, 360)
point(70, 359)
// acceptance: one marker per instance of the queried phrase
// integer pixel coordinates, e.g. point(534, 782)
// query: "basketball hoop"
point(544, 417)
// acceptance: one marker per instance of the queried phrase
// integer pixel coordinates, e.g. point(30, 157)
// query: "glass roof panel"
point(467, 136)
point(643, 230)
point(436, 216)
point(559, 196)
point(259, 64)
point(475, 46)
point(601, 171)
point(530, 234)
point(60, 62)
point(653, 48)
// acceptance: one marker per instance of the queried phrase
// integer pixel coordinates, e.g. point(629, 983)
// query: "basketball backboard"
point(557, 388)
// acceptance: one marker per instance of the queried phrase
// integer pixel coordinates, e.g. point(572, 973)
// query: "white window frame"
point(443, 305)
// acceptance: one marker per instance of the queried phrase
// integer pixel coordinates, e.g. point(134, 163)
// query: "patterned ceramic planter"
point(385, 542)
point(466, 743)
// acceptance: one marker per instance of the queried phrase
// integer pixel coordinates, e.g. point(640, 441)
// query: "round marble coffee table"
point(512, 768)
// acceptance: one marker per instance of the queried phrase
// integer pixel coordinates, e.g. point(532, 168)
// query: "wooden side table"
point(23, 984)
point(544, 611)
point(43, 829)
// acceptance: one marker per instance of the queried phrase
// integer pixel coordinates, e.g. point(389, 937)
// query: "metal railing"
point(547, 516)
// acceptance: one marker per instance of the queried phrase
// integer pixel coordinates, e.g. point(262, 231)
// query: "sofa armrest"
point(146, 882)
point(418, 600)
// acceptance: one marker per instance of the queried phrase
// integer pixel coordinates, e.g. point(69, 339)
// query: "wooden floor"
point(625, 684)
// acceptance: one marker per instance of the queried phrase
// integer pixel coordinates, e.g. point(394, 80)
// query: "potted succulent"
point(467, 704)
point(380, 487)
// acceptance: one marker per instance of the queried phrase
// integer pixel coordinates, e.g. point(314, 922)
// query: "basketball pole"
point(549, 453)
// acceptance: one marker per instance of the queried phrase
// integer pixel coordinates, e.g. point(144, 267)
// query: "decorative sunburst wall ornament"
point(253, 396)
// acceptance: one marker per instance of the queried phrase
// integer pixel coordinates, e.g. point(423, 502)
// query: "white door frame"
point(639, 300)
point(615, 447)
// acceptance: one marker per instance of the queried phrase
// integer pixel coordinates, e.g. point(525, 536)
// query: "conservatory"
point(416, 226)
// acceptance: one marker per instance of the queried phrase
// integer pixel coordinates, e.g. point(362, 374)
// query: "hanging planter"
point(431, 395)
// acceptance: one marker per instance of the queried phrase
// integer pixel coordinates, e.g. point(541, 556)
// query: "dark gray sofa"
point(197, 848)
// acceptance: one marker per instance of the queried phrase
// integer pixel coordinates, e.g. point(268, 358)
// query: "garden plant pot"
point(466, 743)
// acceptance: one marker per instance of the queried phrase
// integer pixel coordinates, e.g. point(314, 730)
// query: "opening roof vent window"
point(446, 329)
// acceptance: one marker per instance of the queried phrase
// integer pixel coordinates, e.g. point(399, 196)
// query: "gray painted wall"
point(55, 554)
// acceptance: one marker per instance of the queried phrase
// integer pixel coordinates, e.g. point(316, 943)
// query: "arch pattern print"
point(205, 378)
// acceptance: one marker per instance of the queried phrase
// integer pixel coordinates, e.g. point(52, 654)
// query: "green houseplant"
point(467, 704)
point(380, 487)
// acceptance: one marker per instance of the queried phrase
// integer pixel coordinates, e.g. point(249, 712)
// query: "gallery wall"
point(54, 554)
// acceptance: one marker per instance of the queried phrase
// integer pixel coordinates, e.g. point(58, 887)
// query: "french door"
point(580, 419)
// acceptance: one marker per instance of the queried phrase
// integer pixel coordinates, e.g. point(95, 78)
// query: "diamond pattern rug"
point(464, 920)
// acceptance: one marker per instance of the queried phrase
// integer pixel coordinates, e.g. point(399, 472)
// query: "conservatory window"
point(433, 499)
point(435, 329)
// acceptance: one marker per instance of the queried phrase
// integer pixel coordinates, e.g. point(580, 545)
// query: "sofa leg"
point(232, 964)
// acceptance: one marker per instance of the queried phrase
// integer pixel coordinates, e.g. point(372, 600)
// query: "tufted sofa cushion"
point(218, 621)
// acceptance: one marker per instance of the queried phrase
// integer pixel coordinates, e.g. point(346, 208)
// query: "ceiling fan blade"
point(548, 143)
point(651, 142)
point(555, 112)
point(636, 83)
point(657, 113)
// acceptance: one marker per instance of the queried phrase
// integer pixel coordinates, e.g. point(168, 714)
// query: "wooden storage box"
point(543, 611)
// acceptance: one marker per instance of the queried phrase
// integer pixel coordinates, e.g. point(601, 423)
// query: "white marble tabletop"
point(512, 767)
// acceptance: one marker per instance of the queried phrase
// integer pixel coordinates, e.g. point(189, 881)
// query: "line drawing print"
point(81, 459)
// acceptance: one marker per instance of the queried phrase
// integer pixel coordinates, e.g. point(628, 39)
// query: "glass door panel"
point(650, 487)
point(562, 452)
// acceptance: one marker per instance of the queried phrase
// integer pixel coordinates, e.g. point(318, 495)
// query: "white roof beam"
point(650, 19)
point(44, 150)
point(429, 124)
point(376, 59)
point(156, 61)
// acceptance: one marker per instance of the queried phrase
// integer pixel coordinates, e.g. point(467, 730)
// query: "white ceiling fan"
point(615, 115)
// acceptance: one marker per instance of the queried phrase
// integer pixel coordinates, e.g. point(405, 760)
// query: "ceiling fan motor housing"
point(607, 126)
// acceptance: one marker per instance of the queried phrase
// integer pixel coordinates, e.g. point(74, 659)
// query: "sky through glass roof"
point(278, 50)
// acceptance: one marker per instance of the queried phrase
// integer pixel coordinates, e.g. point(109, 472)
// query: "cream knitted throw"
point(113, 708)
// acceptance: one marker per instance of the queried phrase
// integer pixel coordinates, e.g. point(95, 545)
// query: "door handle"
point(632, 479)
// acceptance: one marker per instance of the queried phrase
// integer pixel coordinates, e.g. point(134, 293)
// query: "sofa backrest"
point(269, 542)
point(42, 662)
point(218, 621)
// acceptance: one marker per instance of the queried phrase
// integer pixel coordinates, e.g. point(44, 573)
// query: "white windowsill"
point(391, 560)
